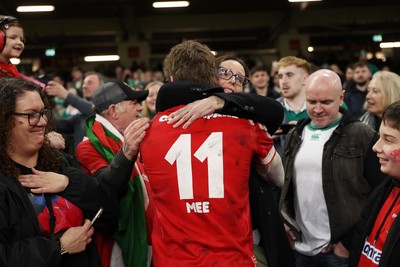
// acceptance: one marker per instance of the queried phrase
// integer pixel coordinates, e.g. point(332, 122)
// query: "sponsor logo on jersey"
point(371, 252)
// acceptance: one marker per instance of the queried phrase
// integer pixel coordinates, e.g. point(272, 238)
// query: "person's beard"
point(363, 83)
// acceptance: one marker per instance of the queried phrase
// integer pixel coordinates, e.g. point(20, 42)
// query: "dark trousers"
point(329, 259)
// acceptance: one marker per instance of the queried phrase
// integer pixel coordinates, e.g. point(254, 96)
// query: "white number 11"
point(211, 149)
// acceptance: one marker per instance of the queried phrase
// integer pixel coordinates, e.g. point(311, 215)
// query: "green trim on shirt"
point(311, 126)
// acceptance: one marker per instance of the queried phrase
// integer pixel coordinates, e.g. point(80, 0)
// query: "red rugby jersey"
point(199, 181)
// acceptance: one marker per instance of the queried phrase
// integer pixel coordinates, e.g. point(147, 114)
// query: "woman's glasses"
point(227, 74)
point(34, 117)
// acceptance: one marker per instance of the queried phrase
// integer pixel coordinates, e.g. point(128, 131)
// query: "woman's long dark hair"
point(10, 90)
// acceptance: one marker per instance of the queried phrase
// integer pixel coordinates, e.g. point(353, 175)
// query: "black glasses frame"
point(237, 76)
point(46, 114)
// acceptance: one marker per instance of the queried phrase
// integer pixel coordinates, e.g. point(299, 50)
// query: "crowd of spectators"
point(314, 141)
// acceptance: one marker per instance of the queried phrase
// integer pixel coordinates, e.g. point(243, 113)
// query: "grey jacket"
point(83, 105)
point(76, 124)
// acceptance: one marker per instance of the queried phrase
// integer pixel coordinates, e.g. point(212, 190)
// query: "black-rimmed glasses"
point(227, 74)
point(34, 117)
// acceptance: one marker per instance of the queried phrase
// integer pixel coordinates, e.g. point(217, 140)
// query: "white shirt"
point(310, 206)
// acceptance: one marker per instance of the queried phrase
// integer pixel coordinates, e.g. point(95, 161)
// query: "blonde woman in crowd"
point(383, 90)
point(149, 104)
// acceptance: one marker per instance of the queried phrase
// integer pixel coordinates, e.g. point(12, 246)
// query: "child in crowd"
point(378, 233)
point(12, 44)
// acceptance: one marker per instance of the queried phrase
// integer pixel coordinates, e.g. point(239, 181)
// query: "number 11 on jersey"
point(212, 150)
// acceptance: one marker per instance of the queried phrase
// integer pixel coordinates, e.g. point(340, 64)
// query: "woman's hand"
point(197, 109)
point(75, 239)
point(44, 182)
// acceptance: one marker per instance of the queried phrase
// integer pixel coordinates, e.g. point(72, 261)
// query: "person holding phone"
point(46, 200)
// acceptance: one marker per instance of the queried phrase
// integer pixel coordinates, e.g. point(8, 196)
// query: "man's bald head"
point(324, 96)
point(326, 79)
